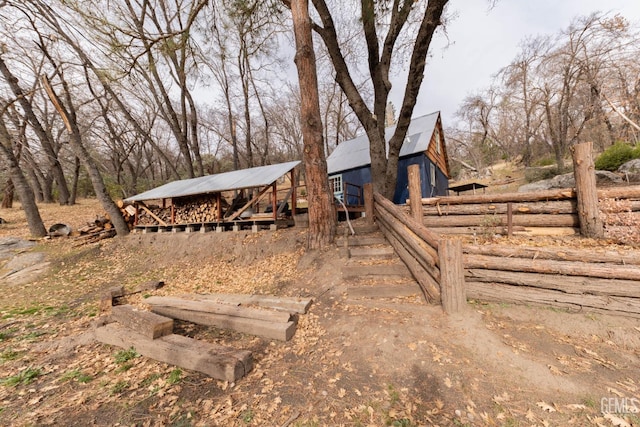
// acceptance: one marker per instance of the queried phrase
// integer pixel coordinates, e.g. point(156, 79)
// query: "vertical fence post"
point(586, 191)
point(368, 202)
point(453, 294)
point(415, 192)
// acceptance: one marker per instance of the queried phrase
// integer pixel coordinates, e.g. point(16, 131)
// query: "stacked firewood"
point(146, 216)
point(198, 209)
point(96, 230)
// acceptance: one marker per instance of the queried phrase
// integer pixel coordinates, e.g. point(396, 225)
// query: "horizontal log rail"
point(628, 192)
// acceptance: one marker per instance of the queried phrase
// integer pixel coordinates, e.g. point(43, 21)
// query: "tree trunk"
point(27, 199)
point(43, 136)
point(321, 208)
point(68, 112)
point(7, 200)
point(586, 191)
point(76, 178)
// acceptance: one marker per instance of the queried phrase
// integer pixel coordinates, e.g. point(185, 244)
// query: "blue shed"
point(349, 165)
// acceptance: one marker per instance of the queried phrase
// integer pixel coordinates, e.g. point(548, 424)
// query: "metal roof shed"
point(213, 185)
point(235, 180)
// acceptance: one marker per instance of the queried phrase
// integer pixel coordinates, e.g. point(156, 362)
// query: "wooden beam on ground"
point(219, 362)
point(288, 304)
point(271, 330)
point(148, 324)
point(212, 307)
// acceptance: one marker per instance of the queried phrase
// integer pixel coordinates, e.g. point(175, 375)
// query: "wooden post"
point(509, 219)
point(294, 194)
point(452, 290)
point(415, 192)
point(586, 191)
point(368, 203)
point(274, 200)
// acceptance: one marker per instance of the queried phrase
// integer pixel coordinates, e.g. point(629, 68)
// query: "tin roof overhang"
point(235, 180)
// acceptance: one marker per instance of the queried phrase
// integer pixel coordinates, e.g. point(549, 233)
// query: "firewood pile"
point(152, 213)
point(96, 230)
point(198, 209)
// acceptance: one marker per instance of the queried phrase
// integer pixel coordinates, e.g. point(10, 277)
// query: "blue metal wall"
point(361, 176)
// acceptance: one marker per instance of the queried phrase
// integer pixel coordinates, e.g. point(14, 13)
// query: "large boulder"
point(632, 166)
point(567, 180)
point(630, 171)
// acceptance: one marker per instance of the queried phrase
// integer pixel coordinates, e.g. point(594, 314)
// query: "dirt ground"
point(352, 362)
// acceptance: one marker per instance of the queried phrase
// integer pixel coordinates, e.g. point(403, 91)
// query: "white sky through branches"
point(481, 41)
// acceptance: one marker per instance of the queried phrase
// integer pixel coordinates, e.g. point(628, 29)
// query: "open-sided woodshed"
point(243, 198)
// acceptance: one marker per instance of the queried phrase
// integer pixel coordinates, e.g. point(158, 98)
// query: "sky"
point(482, 40)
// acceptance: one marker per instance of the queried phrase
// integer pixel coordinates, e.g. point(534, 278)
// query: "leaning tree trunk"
point(321, 208)
point(69, 117)
point(27, 199)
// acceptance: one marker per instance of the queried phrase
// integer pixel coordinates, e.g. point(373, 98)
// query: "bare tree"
point(27, 198)
point(375, 18)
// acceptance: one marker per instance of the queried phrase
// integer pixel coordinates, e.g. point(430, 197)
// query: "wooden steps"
point(373, 269)
point(366, 252)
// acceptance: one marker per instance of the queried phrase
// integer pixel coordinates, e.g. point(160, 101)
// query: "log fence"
point(449, 272)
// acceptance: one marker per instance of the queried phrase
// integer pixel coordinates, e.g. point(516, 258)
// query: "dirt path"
point(352, 361)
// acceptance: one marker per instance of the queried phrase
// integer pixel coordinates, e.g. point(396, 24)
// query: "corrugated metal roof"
point(354, 153)
point(244, 178)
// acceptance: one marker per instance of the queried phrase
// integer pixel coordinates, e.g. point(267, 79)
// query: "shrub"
point(615, 156)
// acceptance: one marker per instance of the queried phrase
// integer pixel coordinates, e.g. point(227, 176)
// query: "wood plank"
point(354, 271)
point(377, 253)
point(602, 255)
point(148, 324)
point(219, 362)
point(524, 220)
point(627, 192)
point(541, 207)
point(527, 295)
point(271, 330)
point(213, 307)
point(569, 284)
point(289, 304)
point(569, 268)
point(384, 291)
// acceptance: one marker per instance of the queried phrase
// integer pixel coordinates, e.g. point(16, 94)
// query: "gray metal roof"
point(354, 153)
point(244, 178)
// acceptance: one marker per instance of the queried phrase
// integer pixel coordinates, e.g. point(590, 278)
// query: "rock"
point(632, 166)
point(567, 180)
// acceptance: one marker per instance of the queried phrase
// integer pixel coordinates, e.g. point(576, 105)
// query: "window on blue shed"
point(335, 182)
point(432, 174)
point(437, 138)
